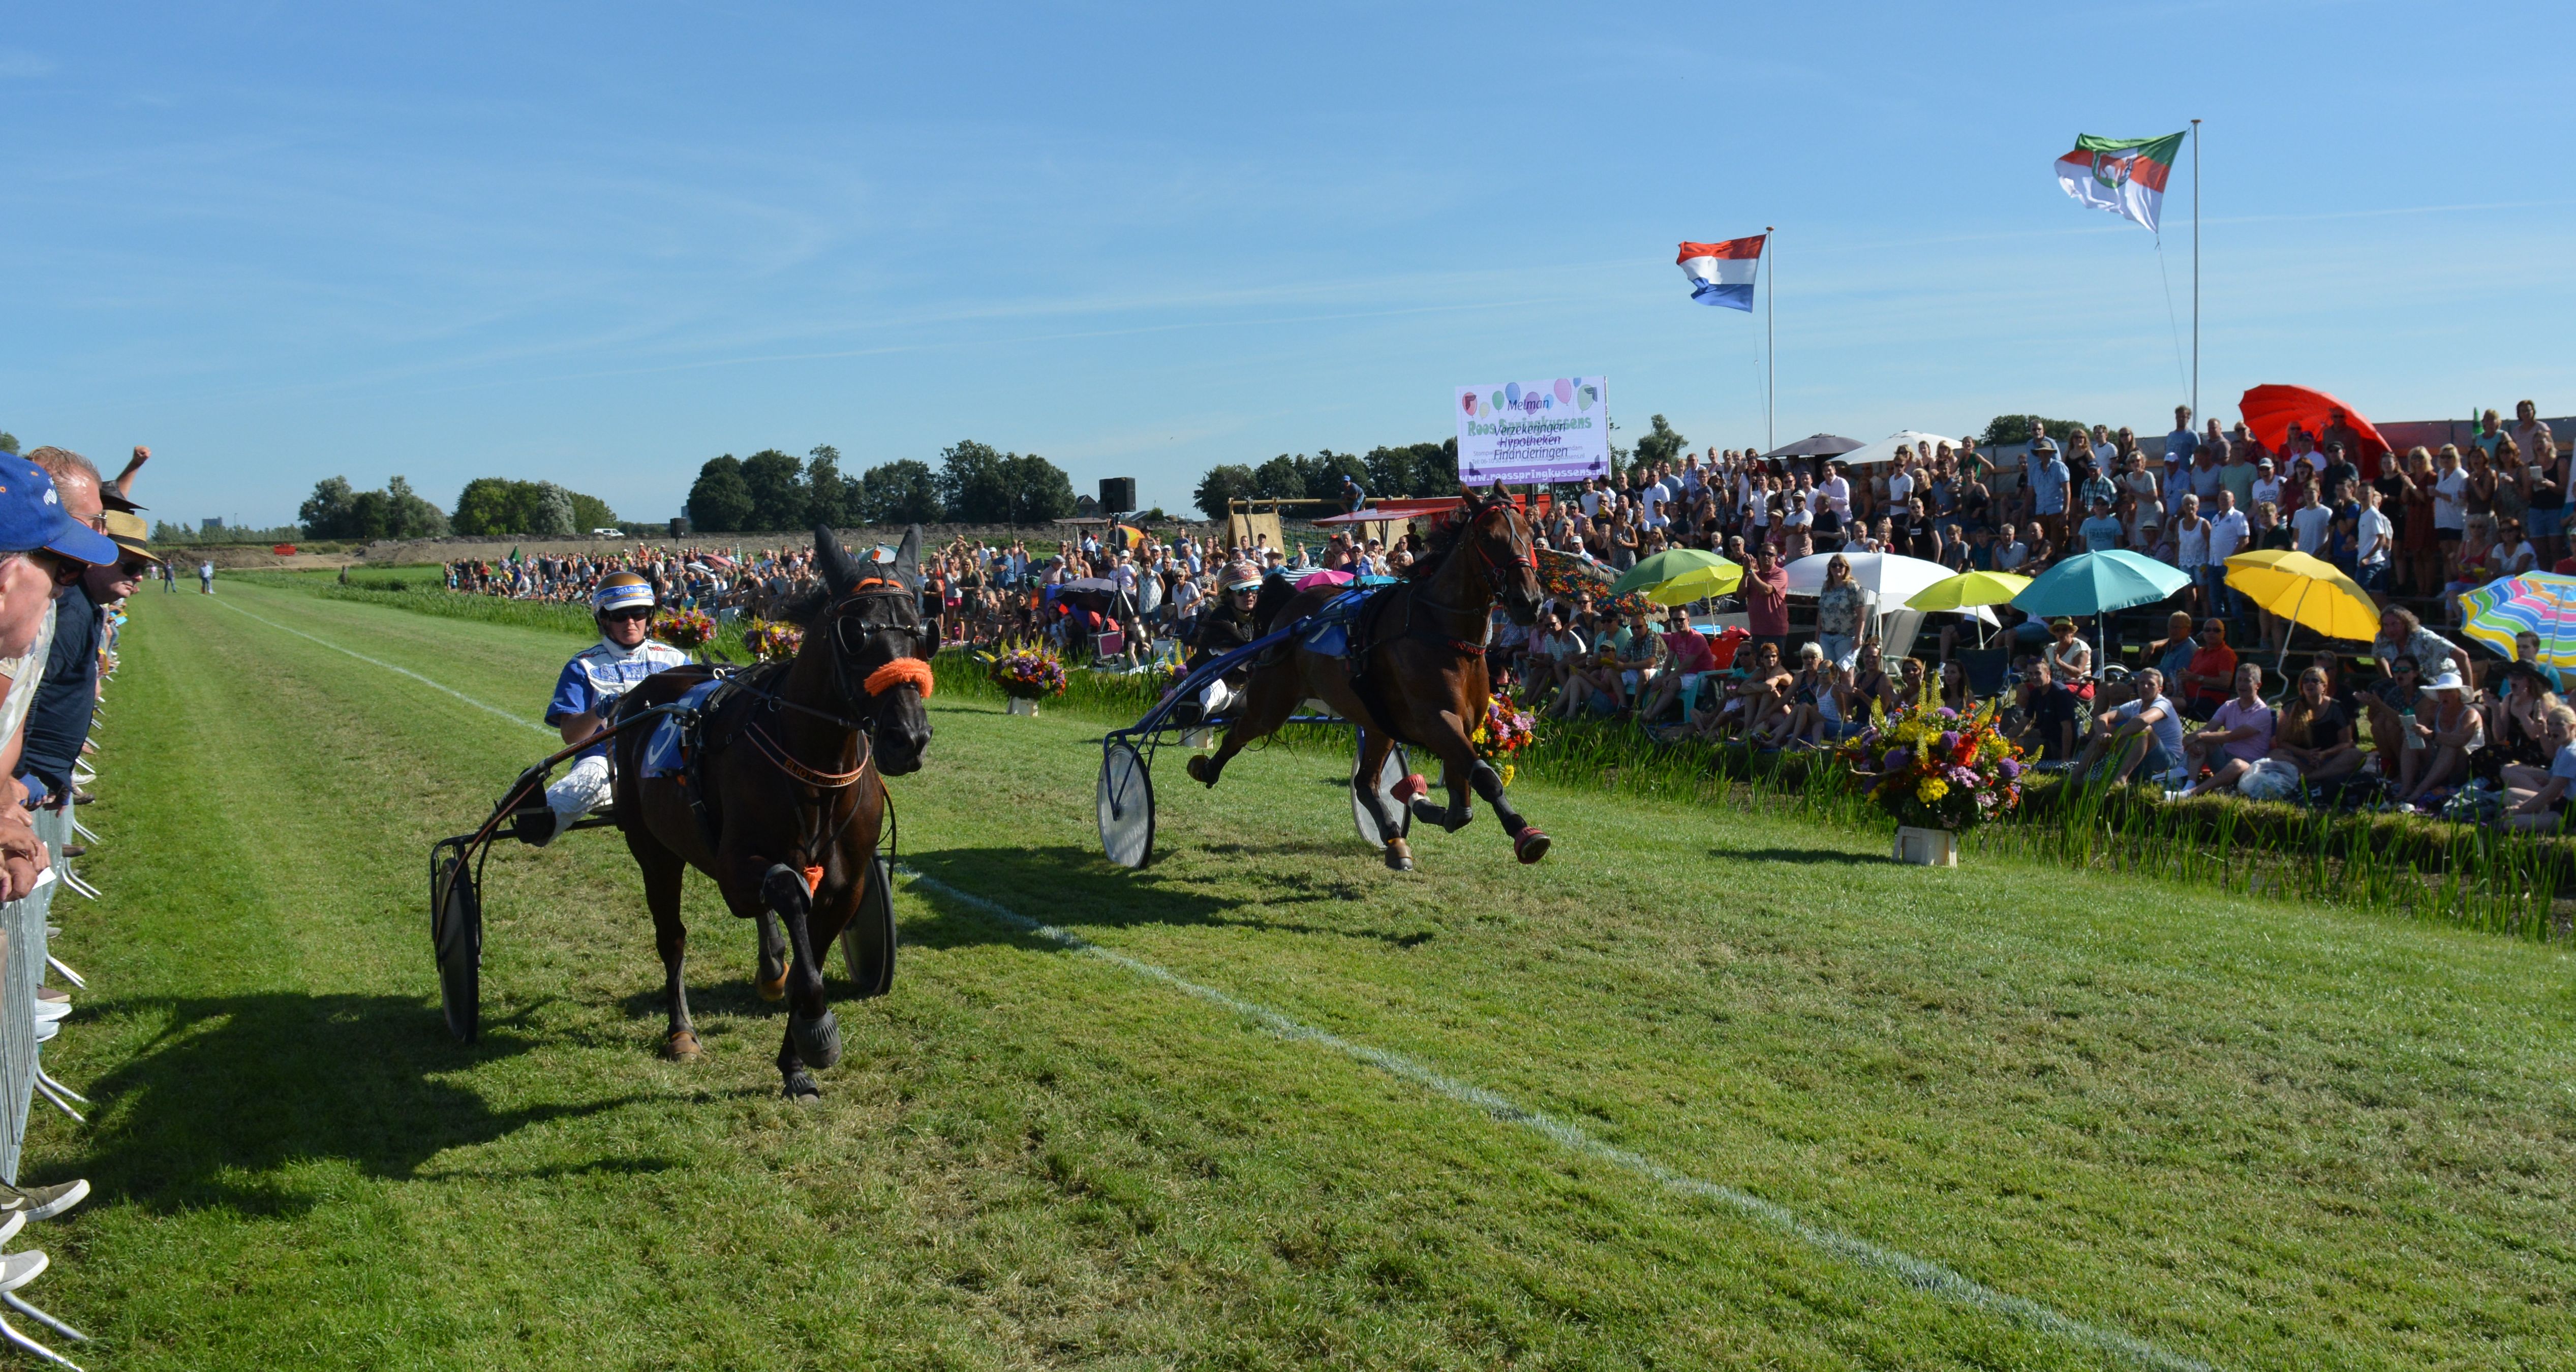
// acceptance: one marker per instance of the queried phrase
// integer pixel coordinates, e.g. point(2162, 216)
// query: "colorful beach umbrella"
point(1668, 564)
point(1967, 590)
point(1722, 579)
point(2543, 603)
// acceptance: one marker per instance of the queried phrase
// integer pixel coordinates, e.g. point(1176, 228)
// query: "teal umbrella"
point(2098, 583)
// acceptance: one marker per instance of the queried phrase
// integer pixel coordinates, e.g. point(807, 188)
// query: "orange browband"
point(899, 671)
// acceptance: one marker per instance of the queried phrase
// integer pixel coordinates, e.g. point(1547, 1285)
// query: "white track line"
point(400, 671)
point(1929, 1277)
point(1922, 1275)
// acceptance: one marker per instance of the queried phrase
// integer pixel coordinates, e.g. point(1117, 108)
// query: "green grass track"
point(2236, 1133)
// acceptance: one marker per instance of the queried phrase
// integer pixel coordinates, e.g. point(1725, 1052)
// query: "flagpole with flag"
point(1724, 274)
point(1770, 355)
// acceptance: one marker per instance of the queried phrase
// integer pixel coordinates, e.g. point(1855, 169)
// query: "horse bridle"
point(839, 621)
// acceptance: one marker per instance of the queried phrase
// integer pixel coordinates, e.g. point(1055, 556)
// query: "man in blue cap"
point(57, 724)
point(43, 552)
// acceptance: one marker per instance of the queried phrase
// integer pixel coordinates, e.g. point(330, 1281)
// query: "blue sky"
point(602, 244)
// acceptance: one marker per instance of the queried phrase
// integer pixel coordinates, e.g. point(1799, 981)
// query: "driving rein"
point(901, 671)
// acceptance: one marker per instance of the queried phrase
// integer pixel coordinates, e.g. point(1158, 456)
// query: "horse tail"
point(1274, 597)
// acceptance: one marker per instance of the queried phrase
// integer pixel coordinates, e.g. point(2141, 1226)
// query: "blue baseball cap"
point(32, 516)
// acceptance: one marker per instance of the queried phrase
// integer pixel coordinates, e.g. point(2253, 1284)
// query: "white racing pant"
point(1216, 697)
point(578, 792)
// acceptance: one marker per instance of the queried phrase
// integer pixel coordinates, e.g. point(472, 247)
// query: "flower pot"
point(1198, 739)
point(1022, 706)
point(1927, 847)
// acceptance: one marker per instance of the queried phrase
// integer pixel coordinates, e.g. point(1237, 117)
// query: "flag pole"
point(2195, 271)
point(1770, 363)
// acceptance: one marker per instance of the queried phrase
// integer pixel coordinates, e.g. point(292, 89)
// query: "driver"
point(591, 683)
point(1224, 627)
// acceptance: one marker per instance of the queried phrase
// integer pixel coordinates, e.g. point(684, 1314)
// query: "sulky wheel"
point(1398, 763)
point(867, 945)
point(1126, 806)
point(456, 935)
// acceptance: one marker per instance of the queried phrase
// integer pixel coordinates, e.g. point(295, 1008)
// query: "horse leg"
point(1266, 703)
point(1460, 809)
point(1528, 844)
point(812, 1033)
point(663, 870)
point(1374, 747)
point(771, 980)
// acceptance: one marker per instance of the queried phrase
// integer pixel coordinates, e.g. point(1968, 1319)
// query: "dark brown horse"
point(1419, 654)
point(790, 766)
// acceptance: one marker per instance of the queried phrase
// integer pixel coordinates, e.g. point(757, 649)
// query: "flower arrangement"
point(1935, 770)
point(1507, 729)
point(686, 628)
point(772, 641)
point(1027, 670)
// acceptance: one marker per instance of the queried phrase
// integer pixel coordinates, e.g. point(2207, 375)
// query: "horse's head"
point(1497, 537)
point(880, 653)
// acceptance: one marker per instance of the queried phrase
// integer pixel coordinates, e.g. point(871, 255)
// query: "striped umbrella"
point(2535, 602)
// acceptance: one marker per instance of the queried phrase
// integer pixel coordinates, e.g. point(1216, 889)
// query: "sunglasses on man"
point(630, 613)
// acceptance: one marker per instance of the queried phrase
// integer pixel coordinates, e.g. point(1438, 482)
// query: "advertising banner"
point(1532, 431)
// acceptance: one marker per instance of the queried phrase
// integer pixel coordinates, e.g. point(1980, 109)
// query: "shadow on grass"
point(1812, 857)
point(239, 1088)
point(1082, 891)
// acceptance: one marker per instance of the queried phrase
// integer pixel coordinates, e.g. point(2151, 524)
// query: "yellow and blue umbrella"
point(2542, 603)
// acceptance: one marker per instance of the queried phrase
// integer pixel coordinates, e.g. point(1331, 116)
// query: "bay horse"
point(789, 773)
point(1415, 672)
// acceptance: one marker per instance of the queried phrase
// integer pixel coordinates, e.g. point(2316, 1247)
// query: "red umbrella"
point(2270, 411)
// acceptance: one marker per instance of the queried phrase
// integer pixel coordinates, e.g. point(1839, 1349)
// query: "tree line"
point(489, 505)
point(974, 483)
point(1413, 469)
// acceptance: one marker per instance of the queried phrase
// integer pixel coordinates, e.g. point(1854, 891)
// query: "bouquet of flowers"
point(1933, 769)
point(687, 628)
point(1507, 729)
point(771, 641)
point(1027, 670)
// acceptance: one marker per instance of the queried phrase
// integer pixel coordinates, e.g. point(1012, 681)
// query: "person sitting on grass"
point(1552, 653)
point(2316, 732)
point(1591, 682)
point(2443, 732)
point(2145, 731)
point(1756, 697)
point(2535, 798)
point(2519, 738)
point(1839, 713)
point(2238, 735)
point(1691, 661)
point(1955, 692)
point(2403, 639)
point(2172, 653)
point(1640, 654)
point(2210, 674)
point(2050, 712)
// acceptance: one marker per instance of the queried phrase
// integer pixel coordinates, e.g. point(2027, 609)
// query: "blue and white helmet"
point(623, 590)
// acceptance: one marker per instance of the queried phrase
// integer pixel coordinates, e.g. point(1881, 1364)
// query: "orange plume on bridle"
point(897, 672)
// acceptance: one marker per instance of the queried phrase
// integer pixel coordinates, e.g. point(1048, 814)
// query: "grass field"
point(1706, 1089)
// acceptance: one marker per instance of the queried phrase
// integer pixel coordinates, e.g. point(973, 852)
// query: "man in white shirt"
point(2267, 484)
point(1900, 482)
point(2309, 523)
point(2010, 551)
point(2376, 537)
point(2229, 532)
point(1592, 494)
point(1836, 490)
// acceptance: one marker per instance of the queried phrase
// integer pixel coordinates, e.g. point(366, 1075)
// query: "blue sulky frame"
point(1126, 791)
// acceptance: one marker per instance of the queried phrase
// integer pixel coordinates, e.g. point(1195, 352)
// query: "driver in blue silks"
point(590, 684)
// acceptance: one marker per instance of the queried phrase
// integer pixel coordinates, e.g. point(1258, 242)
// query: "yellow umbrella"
point(2305, 590)
point(1968, 590)
point(1697, 584)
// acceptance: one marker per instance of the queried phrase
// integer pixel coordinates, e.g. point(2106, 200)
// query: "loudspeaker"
point(680, 527)
point(1118, 494)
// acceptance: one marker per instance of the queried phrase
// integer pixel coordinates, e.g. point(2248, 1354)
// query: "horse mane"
point(1446, 532)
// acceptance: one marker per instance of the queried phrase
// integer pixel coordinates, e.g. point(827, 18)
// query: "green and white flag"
point(2124, 176)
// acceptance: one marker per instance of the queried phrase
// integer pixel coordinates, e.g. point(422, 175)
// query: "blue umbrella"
point(2098, 583)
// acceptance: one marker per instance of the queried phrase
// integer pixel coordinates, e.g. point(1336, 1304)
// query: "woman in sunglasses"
point(591, 682)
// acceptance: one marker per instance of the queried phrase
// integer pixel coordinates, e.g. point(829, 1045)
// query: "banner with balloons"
point(1526, 431)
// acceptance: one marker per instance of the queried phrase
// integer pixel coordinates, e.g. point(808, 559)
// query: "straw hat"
point(129, 533)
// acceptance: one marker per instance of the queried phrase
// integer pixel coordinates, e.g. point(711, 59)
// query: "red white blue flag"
point(1722, 273)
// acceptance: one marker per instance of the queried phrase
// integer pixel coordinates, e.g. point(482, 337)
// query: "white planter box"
point(1927, 847)
point(1019, 706)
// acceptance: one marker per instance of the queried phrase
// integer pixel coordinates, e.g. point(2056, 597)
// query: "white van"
point(608, 533)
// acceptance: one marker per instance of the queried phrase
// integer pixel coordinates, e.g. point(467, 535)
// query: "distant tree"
point(1039, 490)
point(2015, 428)
point(1223, 483)
point(776, 481)
point(904, 492)
point(484, 507)
point(1324, 471)
point(8, 442)
point(973, 483)
point(1279, 479)
point(720, 501)
point(408, 515)
point(830, 498)
point(590, 512)
point(328, 512)
point(1661, 443)
point(1414, 469)
point(553, 516)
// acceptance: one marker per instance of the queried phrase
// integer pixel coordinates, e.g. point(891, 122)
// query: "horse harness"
point(1365, 643)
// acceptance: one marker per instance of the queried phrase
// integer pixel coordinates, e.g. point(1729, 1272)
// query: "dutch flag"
point(1722, 273)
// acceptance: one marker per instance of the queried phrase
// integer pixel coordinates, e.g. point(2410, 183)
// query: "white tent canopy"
point(1884, 450)
point(1891, 580)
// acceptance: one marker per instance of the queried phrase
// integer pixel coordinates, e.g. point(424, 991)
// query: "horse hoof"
point(1199, 770)
point(818, 1041)
point(1529, 845)
point(681, 1046)
point(1409, 790)
point(1398, 858)
point(801, 1088)
point(771, 989)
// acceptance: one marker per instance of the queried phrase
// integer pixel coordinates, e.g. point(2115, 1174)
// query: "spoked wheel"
point(456, 936)
point(1126, 806)
point(867, 945)
point(1398, 764)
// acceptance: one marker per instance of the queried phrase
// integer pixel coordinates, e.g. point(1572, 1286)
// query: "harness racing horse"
point(789, 803)
point(1415, 672)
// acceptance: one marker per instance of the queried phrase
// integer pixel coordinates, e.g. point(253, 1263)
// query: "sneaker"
point(46, 1029)
point(51, 1010)
point(535, 828)
point(41, 1202)
point(49, 993)
point(73, 850)
point(18, 1269)
point(2172, 796)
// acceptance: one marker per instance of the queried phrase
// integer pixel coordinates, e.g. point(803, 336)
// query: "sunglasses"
point(621, 616)
point(134, 568)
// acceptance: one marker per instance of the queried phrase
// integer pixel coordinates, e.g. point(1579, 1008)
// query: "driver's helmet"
point(1242, 576)
point(621, 591)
